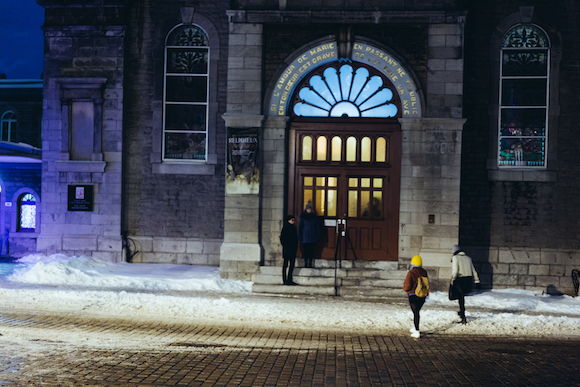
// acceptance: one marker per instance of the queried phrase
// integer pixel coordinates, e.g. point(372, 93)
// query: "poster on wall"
point(243, 174)
point(80, 197)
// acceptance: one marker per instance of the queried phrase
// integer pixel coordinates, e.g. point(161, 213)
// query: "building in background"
point(184, 132)
point(20, 164)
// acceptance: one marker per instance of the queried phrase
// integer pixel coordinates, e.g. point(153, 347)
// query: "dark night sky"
point(21, 39)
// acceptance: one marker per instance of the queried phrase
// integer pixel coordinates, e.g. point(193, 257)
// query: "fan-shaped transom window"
point(525, 62)
point(346, 90)
point(186, 94)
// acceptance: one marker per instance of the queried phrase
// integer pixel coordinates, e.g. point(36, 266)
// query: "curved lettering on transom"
point(362, 52)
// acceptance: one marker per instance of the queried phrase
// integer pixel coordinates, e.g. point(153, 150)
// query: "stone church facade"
point(184, 132)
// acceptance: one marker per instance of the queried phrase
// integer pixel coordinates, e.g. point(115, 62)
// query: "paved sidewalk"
point(72, 349)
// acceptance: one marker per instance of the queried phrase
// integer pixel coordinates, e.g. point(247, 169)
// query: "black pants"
point(308, 251)
point(463, 285)
point(416, 305)
point(288, 269)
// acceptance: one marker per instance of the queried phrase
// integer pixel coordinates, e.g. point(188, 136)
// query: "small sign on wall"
point(80, 198)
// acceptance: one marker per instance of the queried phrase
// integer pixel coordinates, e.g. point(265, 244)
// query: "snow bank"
point(134, 290)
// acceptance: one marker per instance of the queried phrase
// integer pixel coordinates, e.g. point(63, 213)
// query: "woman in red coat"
point(409, 286)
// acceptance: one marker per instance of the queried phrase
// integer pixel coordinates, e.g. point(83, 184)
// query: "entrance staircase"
point(357, 279)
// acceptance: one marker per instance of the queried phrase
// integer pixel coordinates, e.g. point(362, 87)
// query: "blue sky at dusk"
point(21, 42)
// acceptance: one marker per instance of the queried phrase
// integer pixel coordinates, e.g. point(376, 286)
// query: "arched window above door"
point(346, 90)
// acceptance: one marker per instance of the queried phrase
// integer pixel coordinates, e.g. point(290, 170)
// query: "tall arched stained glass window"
point(186, 94)
point(525, 62)
point(347, 90)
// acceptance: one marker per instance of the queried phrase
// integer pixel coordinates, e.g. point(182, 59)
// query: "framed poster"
point(80, 198)
point(243, 173)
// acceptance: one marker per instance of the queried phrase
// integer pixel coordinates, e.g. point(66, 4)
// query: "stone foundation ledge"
point(185, 251)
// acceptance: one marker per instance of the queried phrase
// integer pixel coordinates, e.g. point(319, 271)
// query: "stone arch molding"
point(315, 56)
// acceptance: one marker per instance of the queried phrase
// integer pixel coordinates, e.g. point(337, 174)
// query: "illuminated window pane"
point(336, 148)
point(320, 202)
point(381, 150)
point(308, 180)
point(332, 181)
point(352, 203)
point(307, 197)
point(307, 148)
point(28, 216)
point(27, 212)
point(320, 181)
point(331, 202)
point(365, 150)
point(365, 203)
point(365, 182)
point(378, 182)
point(377, 205)
point(353, 182)
point(351, 149)
point(321, 148)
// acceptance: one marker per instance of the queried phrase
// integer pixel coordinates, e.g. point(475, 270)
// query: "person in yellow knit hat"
point(409, 286)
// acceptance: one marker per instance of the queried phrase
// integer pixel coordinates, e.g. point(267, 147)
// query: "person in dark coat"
point(289, 240)
point(309, 234)
point(409, 287)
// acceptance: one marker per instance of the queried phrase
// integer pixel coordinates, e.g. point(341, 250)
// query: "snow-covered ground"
point(61, 283)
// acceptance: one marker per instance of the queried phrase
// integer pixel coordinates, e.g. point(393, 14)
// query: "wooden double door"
point(350, 173)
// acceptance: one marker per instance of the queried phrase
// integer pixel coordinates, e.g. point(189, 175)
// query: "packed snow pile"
point(152, 290)
point(59, 269)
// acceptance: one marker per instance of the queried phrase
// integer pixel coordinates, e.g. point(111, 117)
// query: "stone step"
point(349, 264)
point(303, 290)
point(345, 291)
point(302, 280)
point(329, 281)
point(343, 273)
point(364, 291)
point(352, 279)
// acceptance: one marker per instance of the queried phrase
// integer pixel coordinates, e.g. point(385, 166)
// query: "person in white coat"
point(463, 275)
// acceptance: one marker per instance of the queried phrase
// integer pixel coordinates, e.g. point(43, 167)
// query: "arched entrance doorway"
point(345, 157)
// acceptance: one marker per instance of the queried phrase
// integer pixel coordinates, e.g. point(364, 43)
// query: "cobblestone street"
point(71, 349)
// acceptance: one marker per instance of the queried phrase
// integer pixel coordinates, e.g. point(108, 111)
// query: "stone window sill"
point(522, 175)
point(168, 168)
point(80, 166)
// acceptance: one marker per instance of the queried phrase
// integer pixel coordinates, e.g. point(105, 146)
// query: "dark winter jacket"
point(308, 229)
point(412, 279)
point(289, 240)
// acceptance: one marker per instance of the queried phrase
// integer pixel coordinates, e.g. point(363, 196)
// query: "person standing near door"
point(309, 234)
point(289, 240)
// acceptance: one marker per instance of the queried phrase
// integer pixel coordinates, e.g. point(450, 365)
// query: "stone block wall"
point(84, 59)
point(541, 270)
point(173, 210)
point(429, 210)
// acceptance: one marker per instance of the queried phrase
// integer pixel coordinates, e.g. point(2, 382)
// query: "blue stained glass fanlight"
point(345, 92)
